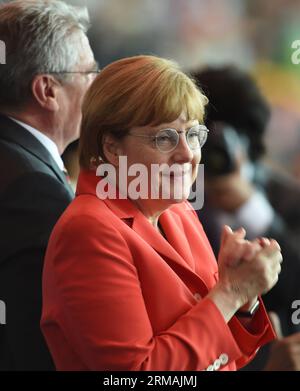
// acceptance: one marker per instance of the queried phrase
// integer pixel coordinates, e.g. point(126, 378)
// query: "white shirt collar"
point(45, 140)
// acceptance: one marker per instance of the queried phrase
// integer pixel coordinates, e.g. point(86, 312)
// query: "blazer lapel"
point(173, 230)
point(128, 212)
point(13, 132)
point(151, 236)
point(175, 250)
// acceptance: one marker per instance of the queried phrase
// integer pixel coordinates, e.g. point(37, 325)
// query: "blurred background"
point(256, 35)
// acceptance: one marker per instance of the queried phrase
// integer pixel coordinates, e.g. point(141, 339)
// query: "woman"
point(130, 280)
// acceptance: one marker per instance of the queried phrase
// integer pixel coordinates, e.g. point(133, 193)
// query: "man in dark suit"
point(49, 66)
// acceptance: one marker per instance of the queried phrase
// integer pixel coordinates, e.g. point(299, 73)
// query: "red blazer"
point(118, 296)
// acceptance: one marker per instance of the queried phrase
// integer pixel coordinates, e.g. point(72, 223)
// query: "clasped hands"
point(247, 268)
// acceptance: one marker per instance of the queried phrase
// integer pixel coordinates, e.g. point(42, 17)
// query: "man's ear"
point(112, 149)
point(45, 90)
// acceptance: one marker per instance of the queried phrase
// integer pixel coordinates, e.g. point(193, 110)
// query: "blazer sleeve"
point(103, 315)
point(258, 332)
point(29, 208)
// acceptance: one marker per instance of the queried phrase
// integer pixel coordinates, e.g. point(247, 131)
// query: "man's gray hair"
point(40, 37)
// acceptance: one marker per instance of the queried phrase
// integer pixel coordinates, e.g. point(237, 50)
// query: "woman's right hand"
point(255, 273)
point(246, 270)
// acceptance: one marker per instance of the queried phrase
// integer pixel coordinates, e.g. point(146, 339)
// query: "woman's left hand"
point(235, 248)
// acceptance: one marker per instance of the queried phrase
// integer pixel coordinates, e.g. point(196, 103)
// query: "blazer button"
point(210, 368)
point(197, 296)
point(217, 364)
point(223, 358)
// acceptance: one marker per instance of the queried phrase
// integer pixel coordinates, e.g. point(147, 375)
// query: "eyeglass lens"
point(167, 139)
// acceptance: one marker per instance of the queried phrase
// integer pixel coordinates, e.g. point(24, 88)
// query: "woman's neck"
point(151, 213)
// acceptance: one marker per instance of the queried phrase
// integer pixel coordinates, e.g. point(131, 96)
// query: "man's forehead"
point(86, 54)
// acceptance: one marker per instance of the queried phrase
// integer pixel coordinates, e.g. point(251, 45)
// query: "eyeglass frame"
point(74, 72)
point(203, 128)
point(96, 71)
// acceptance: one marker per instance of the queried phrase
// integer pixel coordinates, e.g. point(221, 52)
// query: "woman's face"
point(170, 174)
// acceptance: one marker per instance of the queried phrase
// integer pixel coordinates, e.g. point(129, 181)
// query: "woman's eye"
point(164, 138)
point(193, 135)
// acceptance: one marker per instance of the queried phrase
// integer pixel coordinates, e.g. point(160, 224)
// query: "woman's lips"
point(176, 174)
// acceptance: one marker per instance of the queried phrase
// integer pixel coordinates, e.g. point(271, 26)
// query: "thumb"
point(274, 318)
point(226, 231)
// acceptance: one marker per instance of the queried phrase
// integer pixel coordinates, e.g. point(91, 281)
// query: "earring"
point(94, 162)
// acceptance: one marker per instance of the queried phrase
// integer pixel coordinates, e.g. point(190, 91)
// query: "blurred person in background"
point(242, 191)
point(130, 281)
point(49, 66)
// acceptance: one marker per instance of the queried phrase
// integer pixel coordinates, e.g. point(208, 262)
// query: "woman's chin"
point(178, 196)
point(178, 191)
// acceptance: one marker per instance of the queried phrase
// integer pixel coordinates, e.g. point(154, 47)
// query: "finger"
point(246, 251)
point(226, 232)
point(270, 243)
point(275, 244)
point(236, 250)
point(278, 269)
point(250, 250)
point(275, 321)
point(271, 250)
point(257, 241)
point(275, 259)
point(240, 233)
point(279, 257)
point(264, 241)
point(233, 253)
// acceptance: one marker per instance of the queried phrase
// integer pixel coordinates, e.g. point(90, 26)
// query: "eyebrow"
point(189, 126)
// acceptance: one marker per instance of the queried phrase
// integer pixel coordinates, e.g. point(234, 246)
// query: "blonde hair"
point(135, 91)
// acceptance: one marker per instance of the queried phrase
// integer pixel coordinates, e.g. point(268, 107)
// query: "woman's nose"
point(183, 152)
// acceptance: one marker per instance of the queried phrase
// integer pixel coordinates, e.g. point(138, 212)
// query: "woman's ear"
point(111, 149)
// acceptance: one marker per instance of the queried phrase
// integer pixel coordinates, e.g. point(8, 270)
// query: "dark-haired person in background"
point(49, 66)
point(242, 191)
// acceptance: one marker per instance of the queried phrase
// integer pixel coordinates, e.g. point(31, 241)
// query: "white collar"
point(45, 140)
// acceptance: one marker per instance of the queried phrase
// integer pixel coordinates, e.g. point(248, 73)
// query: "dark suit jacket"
point(33, 194)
